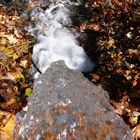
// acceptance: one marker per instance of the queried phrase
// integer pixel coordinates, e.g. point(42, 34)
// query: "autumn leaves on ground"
point(118, 59)
point(15, 61)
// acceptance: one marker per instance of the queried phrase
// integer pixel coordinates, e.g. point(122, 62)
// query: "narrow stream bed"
point(56, 39)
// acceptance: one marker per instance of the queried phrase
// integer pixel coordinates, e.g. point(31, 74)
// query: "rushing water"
point(55, 39)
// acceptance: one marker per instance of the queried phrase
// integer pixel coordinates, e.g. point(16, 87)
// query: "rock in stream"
point(64, 105)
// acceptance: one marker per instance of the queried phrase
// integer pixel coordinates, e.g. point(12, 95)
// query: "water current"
point(56, 41)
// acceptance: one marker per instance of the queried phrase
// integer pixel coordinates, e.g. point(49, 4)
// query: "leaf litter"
point(15, 62)
point(118, 42)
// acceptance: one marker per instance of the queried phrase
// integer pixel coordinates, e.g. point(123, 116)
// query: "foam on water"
point(55, 40)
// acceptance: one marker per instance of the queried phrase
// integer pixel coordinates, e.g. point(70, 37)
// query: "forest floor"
point(118, 54)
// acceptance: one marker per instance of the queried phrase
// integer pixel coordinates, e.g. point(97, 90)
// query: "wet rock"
point(65, 105)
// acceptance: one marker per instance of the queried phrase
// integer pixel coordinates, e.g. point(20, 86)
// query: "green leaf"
point(28, 91)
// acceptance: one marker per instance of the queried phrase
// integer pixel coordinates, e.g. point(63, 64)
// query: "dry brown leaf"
point(134, 83)
point(136, 132)
point(121, 107)
point(91, 26)
point(95, 77)
point(6, 131)
point(133, 117)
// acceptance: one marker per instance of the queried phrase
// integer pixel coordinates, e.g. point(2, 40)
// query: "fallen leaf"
point(6, 131)
point(28, 91)
point(136, 132)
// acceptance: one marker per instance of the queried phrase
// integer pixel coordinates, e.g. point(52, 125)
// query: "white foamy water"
point(55, 40)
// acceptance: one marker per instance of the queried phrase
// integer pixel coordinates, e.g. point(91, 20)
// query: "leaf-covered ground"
point(15, 61)
point(117, 24)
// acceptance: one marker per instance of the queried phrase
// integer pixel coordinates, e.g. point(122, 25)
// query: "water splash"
point(55, 40)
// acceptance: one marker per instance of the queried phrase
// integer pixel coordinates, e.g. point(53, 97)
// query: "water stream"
point(55, 39)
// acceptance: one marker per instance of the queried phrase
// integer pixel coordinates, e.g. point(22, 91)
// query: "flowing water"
point(55, 39)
